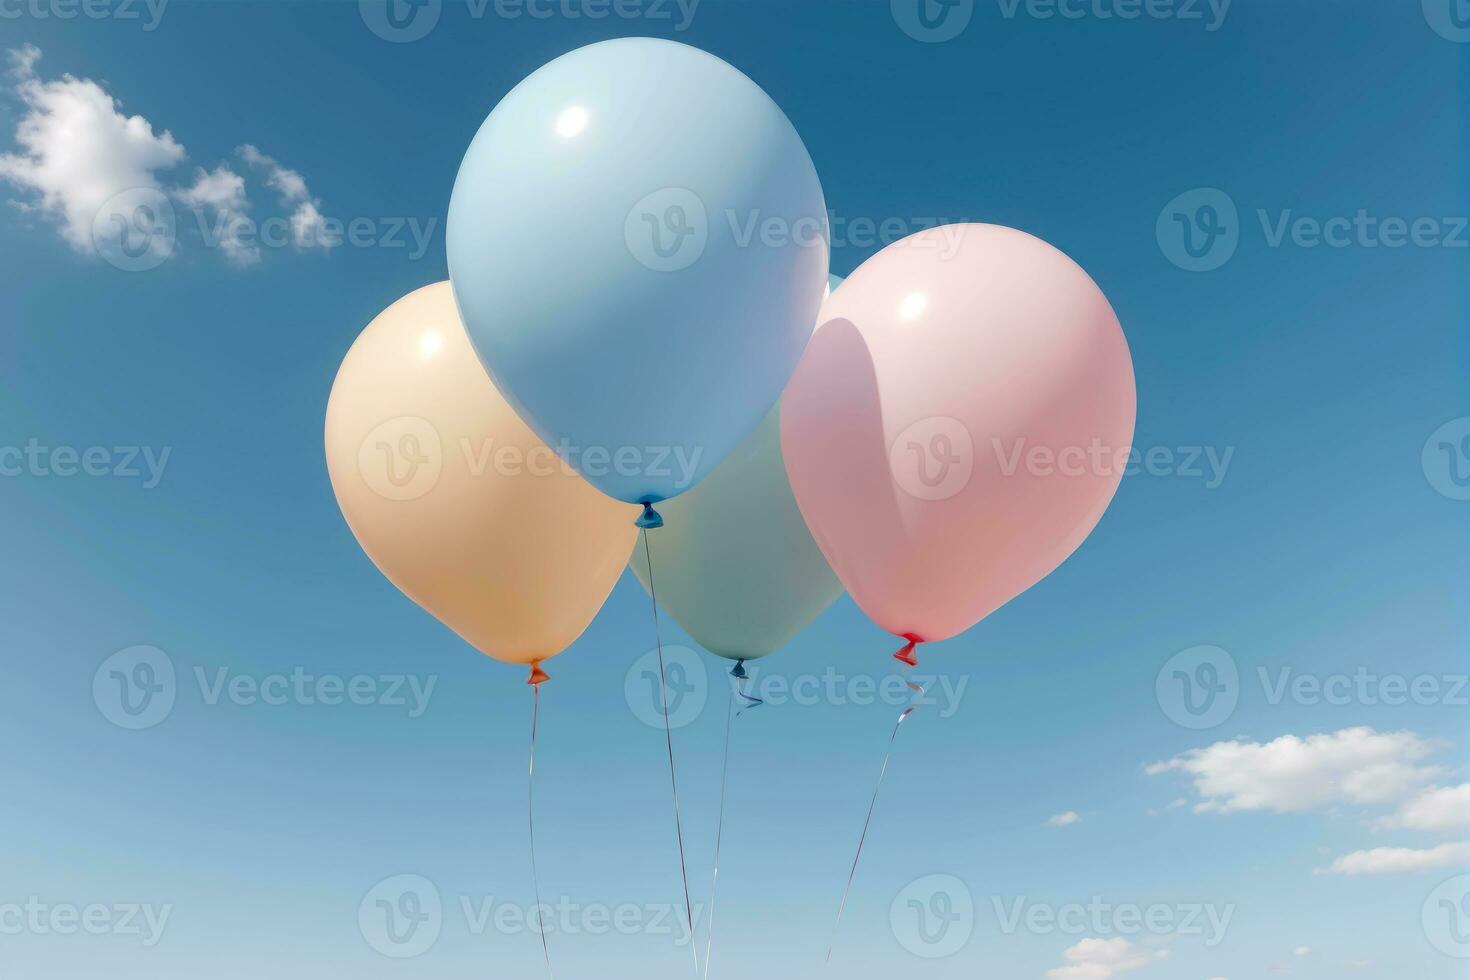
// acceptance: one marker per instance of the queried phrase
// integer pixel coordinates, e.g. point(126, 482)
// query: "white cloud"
point(308, 227)
point(1399, 860)
point(1302, 951)
point(1293, 775)
point(220, 196)
point(1063, 819)
point(1438, 808)
point(1101, 959)
point(78, 151)
point(102, 176)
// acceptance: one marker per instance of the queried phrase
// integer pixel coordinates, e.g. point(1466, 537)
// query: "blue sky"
point(1310, 822)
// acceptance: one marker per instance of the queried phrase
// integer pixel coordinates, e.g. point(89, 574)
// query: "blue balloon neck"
point(650, 518)
point(739, 672)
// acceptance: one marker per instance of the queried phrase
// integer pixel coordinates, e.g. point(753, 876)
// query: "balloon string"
point(714, 883)
point(736, 691)
point(669, 741)
point(531, 820)
point(918, 692)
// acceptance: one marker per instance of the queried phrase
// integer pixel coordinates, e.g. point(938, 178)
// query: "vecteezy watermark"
point(1200, 230)
point(137, 688)
point(1209, 464)
point(403, 457)
point(402, 21)
point(1450, 19)
point(33, 459)
point(669, 230)
point(933, 917)
point(687, 686)
point(149, 13)
point(1445, 917)
point(138, 229)
point(932, 21)
point(403, 916)
point(242, 238)
point(935, 21)
point(1102, 917)
point(1200, 688)
point(1446, 459)
point(1210, 14)
point(935, 459)
point(679, 691)
point(36, 917)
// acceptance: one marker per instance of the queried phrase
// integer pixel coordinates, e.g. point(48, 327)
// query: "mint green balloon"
point(734, 563)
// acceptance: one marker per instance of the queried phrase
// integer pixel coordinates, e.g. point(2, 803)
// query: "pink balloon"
point(958, 424)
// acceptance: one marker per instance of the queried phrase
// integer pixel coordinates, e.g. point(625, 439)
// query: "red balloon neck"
point(906, 655)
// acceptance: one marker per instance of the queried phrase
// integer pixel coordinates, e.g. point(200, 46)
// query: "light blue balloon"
point(638, 245)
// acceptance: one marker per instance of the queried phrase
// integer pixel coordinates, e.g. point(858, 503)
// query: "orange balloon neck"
point(538, 676)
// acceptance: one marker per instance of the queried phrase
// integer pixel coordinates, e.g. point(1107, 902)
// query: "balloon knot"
point(538, 676)
point(739, 672)
point(906, 655)
point(650, 518)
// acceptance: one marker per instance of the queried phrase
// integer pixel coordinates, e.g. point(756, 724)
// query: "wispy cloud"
point(84, 165)
point(1102, 959)
point(1399, 860)
point(220, 196)
point(1063, 819)
point(308, 226)
point(78, 151)
point(1444, 809)
point(1294, 775)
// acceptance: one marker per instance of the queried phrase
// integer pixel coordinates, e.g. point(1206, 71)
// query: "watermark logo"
point(685, 685)
point(138, 687)
point(688, 679)
point(1099, 916)
point(150, 12)
point(1446, 459)
point(1199, 687)
point(932, 21)
point(1199, 230)
point(135, 688)
point(401, 459)
point(41, 461)
point(402, 916)
point(400, 21)
point(1208, 464)
point(933, 917)
point(1446, 917)
point(135, 230)
point(35, 917)
point(1210, 13)
point(405, 915)
point(667, 231)
point(933, 459)
point(1450, 19)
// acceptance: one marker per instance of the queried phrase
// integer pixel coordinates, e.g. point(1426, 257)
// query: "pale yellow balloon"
point(456, 500)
